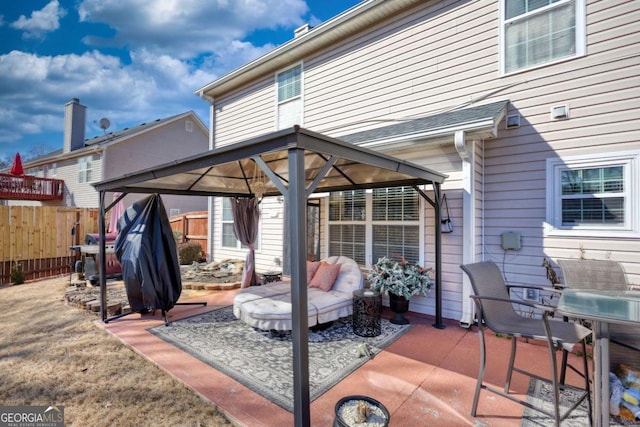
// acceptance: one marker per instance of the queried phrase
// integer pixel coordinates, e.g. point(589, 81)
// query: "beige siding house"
point(531, 109)
point(82, 161)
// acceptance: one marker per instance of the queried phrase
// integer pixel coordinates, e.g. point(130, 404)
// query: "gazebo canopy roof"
point(259, 166)
point(295, 162)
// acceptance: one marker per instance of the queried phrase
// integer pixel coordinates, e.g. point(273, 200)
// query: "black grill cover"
point(147, 251)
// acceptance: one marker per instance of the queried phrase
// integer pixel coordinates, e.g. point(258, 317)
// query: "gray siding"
point(80, 194)
point(159, 145)
point(246, 114)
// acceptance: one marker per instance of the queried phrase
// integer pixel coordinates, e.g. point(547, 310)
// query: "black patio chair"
point(495, 310)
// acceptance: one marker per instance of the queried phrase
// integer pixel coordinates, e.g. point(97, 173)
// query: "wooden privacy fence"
point(39, 238)
point(191, 227)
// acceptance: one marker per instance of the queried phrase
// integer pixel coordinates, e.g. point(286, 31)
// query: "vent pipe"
point(301, 30)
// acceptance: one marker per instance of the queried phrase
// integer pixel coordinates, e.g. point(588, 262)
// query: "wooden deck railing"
point(30, 188)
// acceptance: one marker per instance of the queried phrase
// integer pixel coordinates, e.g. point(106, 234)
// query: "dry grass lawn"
point(53, 354)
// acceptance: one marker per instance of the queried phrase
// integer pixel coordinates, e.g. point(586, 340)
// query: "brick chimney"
point(74, 125)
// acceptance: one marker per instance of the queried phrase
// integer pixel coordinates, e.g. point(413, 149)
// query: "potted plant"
point(401, 280)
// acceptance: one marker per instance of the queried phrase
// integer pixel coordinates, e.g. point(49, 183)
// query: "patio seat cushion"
point(269, 306)
point(264, 291)
point(330, 306)
point(272, 312)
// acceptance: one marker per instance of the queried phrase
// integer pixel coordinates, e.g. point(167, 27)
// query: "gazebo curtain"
point(115, 214)
point(246, 216)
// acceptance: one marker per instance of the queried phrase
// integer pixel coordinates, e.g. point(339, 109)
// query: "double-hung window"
point(347, 225)
point(593, 195)
point(289, 87)
point(537, 32)
point(85, 169)
point(396, 227)
point(366, 225)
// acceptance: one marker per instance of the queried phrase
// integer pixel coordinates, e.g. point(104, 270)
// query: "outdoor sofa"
point(268, 307)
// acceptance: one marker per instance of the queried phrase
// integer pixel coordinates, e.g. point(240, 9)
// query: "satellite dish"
point(104, 123)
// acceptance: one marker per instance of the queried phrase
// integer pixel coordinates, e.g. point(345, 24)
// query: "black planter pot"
point(399, 305)
point(339, 422)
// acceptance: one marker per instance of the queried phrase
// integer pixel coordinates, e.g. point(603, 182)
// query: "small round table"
point(367, 308)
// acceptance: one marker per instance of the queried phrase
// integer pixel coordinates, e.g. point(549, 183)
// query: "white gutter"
point(211, 200)
point(65, 156)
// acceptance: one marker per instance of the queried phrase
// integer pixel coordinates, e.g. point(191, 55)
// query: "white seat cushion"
point(269, 306)
point(273, 312)
point(258, 292)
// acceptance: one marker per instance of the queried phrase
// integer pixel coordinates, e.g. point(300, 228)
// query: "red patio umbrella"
point(16, 168)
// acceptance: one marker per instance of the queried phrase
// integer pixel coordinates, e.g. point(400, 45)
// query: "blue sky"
point(131, 61)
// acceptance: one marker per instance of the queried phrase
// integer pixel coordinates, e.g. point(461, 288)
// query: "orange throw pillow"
point(325, 276)
point(312, 267)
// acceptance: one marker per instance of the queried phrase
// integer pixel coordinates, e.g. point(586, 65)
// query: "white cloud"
point(149, 88)
point(188, 28)
point(41, 21)
point(174, 48)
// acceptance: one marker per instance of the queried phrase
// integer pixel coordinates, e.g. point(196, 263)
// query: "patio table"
point(601, 307)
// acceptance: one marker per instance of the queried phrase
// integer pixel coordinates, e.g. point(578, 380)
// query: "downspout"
point(466, 151)
point(210, 200)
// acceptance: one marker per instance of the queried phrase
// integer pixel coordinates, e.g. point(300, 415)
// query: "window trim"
point(631, 162)
point(299, 97)
point(581, 35)
point(85, 164)
point(238, 245)
point(369, 223)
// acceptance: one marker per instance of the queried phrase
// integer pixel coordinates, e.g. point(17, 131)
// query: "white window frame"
point(363, 222)
point(369, 222)
point(85, 169)
point(298, 98)
point(238, 245)
point(630, 160)
point(580, 42)
point(401, 223)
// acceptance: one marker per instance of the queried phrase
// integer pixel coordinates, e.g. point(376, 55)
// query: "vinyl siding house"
point(83, 161)
point(532, 109)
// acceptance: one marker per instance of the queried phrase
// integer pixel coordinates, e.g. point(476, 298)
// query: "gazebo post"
point(102, 257)
point(438, 243)
point(298, 248)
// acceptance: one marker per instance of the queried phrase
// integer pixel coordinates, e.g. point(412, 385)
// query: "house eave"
point(328, 33)
point(476, 122)
point(47, 160)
